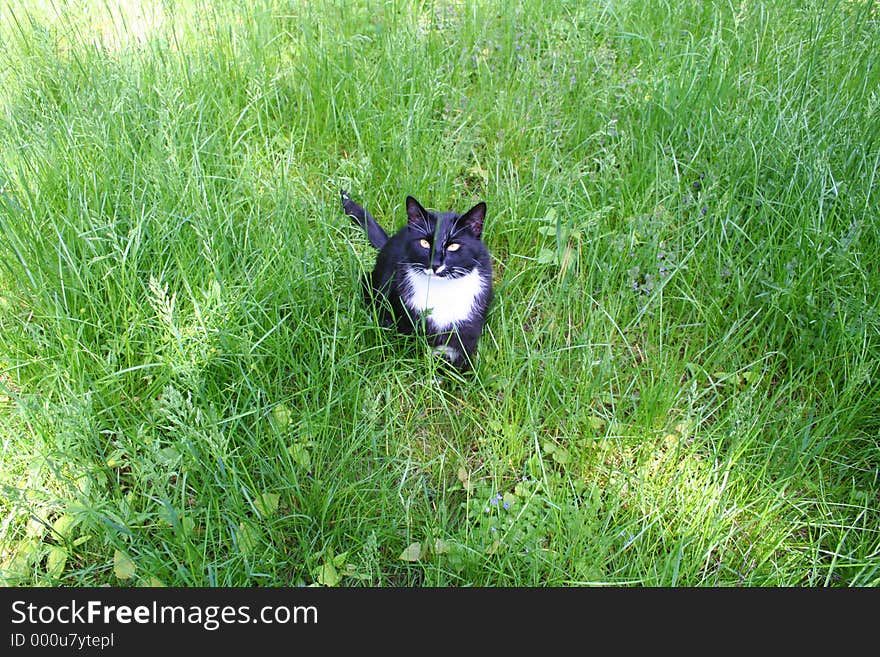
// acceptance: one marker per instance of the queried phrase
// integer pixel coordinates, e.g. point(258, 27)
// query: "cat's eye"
point(425, 244)
point(455, 246)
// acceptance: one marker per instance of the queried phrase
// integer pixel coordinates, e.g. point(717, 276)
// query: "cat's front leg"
point(453, 348)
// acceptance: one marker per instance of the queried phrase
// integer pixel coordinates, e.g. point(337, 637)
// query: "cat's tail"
point(365, 220)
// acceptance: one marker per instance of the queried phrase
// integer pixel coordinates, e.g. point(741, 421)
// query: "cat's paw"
point(453, 357)
point(449, 353)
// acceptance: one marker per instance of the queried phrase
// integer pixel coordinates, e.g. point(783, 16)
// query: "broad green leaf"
point(55, 561)
point(300, 456)
point(167, 514)
point(597, 423)
point(561, 456)
point(168, 455)
point(116, 459)
point(547, 256)
point(465, 479)
point(84, 485)
point(123, 566)
point(751, 377)
point(441, 546)
point(413, 552)
point(247, 538)
point(64, 525)
point(328, 575)
point(267, 503)
point(154, 582)
point(18, 564)
point(281, 416)
point(35, 527)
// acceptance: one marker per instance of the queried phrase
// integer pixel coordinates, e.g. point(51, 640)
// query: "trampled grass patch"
point(678, 384)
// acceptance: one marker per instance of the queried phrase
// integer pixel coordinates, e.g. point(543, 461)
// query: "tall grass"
point(679, 380)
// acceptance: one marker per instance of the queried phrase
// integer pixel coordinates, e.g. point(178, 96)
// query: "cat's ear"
point(415, 213)
point(474, 218)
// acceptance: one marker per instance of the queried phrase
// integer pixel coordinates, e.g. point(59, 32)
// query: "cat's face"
point(444, 244)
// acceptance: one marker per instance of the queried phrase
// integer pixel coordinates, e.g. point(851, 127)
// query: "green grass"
point(679, 381)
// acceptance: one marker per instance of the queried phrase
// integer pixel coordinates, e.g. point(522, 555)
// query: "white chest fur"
point(447, 301)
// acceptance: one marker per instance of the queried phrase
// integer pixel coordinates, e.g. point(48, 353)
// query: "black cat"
point(433, 276)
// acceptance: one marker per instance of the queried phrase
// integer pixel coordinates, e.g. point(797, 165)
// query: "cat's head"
point(444, 244)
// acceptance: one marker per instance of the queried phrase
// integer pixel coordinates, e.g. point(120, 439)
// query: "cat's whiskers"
point(459, 271)
point(457, 232)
